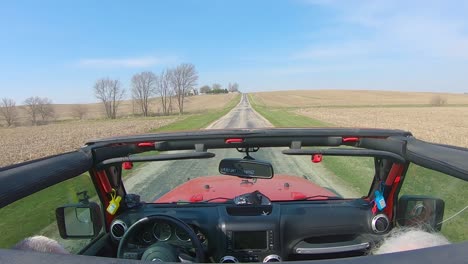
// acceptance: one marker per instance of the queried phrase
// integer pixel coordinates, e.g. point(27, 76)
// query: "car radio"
point(250, 240)
point(250, 245)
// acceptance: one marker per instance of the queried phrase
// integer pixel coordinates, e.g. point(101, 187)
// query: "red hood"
point(279, 188)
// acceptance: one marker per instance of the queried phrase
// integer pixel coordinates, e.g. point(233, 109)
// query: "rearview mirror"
point(79, 220)
point(246, 168)
point(421, 211)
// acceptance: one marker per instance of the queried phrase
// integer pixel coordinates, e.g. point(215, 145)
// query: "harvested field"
point(26, 143)
point(308, 98)
point(446, 125)
point(192, 104)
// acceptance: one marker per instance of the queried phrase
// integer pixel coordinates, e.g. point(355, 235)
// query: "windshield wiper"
point(204, 201)
point(218, 198)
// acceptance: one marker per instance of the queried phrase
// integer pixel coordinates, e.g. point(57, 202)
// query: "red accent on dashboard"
point(234, 140)
point(128, 165)
point(350, 139)
point(316, 158)
point(145, 144)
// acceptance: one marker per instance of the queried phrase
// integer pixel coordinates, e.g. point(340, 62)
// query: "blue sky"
point(59, 48)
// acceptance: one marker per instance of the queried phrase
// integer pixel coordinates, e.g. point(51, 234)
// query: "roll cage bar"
point(20, 180)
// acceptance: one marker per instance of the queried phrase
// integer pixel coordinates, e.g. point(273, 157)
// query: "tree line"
point(217, 89)
point(39, 109)
point(172, 85)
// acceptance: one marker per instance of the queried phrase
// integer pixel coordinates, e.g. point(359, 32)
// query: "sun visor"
point(20, 180)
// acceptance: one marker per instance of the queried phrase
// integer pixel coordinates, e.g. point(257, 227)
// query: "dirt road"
point(154, 179)
point(242, 116)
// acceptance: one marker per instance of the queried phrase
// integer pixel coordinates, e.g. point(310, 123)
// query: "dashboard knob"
point(272, 258)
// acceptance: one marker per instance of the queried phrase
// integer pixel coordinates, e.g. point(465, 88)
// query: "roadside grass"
point(283, 117)
point(358, 173)
point(30, 215)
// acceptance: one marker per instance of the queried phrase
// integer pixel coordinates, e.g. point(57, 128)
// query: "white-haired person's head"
point(41, 244)
point(403, 239)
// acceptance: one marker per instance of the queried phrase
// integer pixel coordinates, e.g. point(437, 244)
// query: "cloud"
point(135, 62)
point(404, 29)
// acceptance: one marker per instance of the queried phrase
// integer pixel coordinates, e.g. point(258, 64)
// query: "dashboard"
point(231, 233)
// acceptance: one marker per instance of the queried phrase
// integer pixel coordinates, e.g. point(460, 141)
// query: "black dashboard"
point(262, 233)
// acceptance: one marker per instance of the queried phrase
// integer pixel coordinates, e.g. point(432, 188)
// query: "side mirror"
point(79, 220)
point(420, 211)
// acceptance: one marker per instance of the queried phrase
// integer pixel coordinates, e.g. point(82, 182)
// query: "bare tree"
point(33, 108)
point(110, 93)
point(216, 86)
point(143, 87)
point(183, 78)
point(205, 89)
point(8, 110)
point(233, 87)
point(165, 91)
point(79, 111)
point(39, 107)
point(46, 110)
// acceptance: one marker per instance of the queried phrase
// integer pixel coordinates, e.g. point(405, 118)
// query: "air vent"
point(118, 229)
point(380, 223)
point(228, 259)
point(272, 258)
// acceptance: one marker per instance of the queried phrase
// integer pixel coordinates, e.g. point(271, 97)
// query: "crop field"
point(446, 125)
point(348, 98)
point(26, 143)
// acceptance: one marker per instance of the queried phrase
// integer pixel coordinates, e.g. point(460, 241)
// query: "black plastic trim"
point(22, 180)
point(159, 157)
point(346, 152)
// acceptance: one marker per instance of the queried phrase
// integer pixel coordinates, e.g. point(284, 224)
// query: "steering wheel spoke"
point(185, 258)
point(132, 253)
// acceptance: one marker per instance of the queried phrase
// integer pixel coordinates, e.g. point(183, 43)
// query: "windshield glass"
point(295, 178)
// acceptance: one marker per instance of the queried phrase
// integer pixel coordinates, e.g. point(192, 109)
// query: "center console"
point(251, 239)
point(251, 246)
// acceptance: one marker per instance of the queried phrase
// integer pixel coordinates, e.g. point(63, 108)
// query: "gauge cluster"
point(161, 231)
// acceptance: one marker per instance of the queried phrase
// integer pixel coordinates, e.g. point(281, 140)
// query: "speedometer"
point(162, 231)
point(182, 235)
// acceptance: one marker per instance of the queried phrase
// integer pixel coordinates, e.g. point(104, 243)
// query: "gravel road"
point(154, 179)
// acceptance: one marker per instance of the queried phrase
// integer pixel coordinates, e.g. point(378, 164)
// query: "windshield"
point(295, 178)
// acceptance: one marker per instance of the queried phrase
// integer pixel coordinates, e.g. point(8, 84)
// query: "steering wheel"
point(159, 251)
